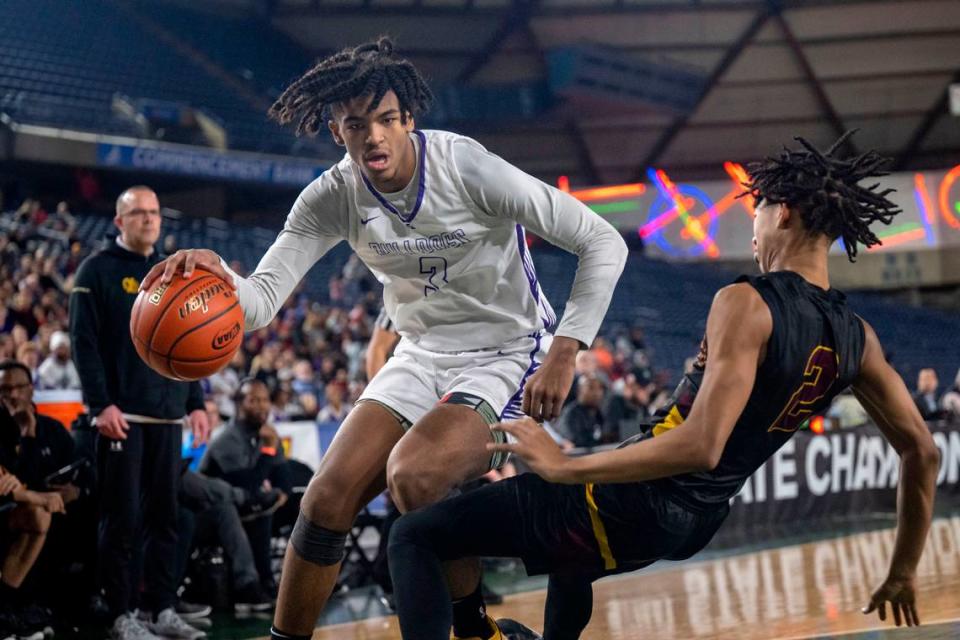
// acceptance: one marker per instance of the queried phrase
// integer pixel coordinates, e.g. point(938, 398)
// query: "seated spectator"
point(337, 406)
point(58, 370)
point(213, 506)
point(223, 385)
point(28, 355)
point(951, 399)
point(925, 396)
point(246, 454)
point(626, 412)
point(846, 412)
point(25, 517)
point(582, 420)
point(62, 220)
point(45, 445)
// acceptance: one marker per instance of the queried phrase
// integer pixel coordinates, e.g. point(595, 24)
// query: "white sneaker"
point(129, 627)
point(170, 625)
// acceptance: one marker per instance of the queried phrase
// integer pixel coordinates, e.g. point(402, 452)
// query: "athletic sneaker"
point(129, 627)
point(251, 597)
point(190, 611)
point(169, 625)
point(513, 630)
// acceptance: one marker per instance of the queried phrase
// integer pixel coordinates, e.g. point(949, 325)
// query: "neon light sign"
point(684, 220)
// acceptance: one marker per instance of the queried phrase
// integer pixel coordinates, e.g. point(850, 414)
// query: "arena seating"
point(268, 66)
point(63, 63)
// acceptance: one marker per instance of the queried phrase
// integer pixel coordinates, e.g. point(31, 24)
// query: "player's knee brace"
point(317, 544)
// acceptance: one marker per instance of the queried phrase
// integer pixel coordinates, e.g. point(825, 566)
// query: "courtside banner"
point(837, 475)
point(203, 163)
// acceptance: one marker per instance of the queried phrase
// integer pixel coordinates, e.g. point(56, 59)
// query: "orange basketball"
point(188, 329)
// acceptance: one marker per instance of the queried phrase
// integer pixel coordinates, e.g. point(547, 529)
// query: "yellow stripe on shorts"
point(599, 531)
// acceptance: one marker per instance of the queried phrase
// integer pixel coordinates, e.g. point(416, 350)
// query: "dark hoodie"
point(111, 371)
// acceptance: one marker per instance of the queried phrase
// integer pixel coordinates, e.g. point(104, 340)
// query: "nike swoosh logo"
point(363, 222)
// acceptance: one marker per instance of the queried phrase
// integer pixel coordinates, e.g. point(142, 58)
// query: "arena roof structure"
point(770, 70)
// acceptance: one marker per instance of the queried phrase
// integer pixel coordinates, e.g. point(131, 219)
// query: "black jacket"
point(111, 371)
point(47, 452)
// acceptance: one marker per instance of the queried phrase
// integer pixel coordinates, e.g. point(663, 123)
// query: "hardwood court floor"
point(805, 591)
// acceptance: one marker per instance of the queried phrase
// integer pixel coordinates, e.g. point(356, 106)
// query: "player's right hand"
point(902, 596)
point(186, 262)
point(112, 424)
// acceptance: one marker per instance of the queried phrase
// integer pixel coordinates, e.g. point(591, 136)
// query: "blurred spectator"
point(7, 349)
point(846, 411)
point(245, 454)
point(25, 519)
point(45, 444)
point(264, 365)
point(28, 354)
point(951, 399)
point(23, 313)
point(626, 411)
point(582, 420)
point(212, 506)
point(337, 407)
point(283, 407)
point(58, 370)
point(62, 220)
point(926, 395)
point(223, 385)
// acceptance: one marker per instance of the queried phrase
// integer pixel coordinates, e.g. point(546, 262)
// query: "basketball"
point(188, 329)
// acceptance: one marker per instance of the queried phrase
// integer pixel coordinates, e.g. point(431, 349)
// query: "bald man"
point(138, 414)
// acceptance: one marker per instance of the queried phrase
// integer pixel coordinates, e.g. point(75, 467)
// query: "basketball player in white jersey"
point(440, 221)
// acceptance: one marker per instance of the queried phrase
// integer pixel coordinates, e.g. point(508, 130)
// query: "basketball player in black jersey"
point(778, 348)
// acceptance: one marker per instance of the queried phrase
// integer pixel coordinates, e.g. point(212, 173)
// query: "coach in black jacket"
point(138, 414)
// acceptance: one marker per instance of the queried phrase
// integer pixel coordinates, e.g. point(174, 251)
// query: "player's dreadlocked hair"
point(826, 192)
point(369, 69)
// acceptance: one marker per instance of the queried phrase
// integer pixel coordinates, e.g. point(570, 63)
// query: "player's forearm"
point(918, 478)
point(658, 457)
point(602, 255)
point(280, 271)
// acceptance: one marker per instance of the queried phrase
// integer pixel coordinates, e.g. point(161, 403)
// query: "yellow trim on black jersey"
point(599, 531)
point(673, 419)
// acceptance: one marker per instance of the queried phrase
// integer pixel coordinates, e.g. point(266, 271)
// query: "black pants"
point(553, 530)
point(138, 517)
point(208, 512)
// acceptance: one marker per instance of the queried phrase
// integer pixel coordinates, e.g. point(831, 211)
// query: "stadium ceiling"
point(772, 70)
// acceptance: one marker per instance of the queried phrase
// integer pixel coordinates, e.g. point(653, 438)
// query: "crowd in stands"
point(310, 361)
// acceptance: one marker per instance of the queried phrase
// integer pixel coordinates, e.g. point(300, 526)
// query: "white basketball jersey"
point(449, 248)
point(455, 278)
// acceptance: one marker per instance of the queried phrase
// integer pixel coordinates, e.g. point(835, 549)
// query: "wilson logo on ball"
point(157, 294)
point(199, 301)
point(224, 338)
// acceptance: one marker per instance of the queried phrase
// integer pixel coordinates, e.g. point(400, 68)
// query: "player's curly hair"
point(826, 191)
point(368, 69)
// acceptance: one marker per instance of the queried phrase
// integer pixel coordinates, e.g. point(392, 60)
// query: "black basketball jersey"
point(814, 353)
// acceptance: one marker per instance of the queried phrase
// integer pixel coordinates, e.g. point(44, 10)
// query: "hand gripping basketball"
point(187, 328)
point(185, 262)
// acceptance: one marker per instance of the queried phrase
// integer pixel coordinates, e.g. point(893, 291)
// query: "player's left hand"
point(536, 447)
point(902, 596)
point(200, 425)
point(547, 389)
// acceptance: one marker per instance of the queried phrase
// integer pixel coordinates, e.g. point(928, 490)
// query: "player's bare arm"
point(738, 327)
point(885, 397)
